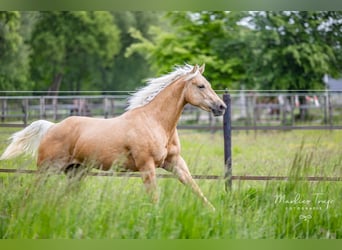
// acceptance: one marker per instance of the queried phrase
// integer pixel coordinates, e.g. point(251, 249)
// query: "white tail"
point(27, 140)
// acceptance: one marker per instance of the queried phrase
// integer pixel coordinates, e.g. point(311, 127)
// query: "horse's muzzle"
point(218, 109)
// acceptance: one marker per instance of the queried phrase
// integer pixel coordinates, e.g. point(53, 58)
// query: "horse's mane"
point(154, 86)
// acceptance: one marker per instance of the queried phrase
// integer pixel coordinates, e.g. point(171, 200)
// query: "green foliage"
point(295, 49)
point(81, 50)
point(276, 50)
point(72, 46)
point(101, 50)
point(193, 38)
point(126, 73)
point(13, 53)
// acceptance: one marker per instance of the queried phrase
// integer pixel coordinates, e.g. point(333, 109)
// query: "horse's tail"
point(27, 140)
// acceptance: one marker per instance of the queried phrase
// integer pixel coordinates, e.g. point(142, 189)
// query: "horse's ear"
point(194, 69)
point(201, 69)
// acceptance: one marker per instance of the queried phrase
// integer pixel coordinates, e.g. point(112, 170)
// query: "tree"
point(195, 38)
point(126, 73)
point(261, 50)
point(295, 49)
point(71, 47)
point(14, 64)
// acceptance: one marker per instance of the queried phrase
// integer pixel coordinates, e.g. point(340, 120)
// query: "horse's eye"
point(201, 86)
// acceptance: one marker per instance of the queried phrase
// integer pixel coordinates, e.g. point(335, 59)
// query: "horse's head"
point(198, 92)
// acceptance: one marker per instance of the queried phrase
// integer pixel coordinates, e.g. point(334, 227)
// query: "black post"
point(227, 128)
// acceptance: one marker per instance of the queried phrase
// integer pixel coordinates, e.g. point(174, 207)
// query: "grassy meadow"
point(118, 207)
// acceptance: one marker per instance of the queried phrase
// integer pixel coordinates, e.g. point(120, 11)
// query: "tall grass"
point(110, 207)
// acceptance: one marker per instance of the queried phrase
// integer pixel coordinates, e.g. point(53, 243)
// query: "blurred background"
point(281, 67)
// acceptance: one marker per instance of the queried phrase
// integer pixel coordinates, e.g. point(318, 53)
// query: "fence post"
point(25, 108)
point(3, 109)
point(106, 104)
point(330, 110)
point(227, 128)
point(42, 107)
point(55, 108)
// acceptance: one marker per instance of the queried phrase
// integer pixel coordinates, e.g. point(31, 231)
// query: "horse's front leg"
point(148, 175)
point(178, 167)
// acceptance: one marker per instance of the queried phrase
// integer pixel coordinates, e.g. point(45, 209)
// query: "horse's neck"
point(167, 106)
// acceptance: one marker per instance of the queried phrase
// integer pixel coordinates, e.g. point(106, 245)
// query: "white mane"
point(155, 85)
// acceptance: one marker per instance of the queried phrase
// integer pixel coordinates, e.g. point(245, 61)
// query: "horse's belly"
point(119, 163)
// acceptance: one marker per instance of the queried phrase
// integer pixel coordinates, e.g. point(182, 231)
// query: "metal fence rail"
point(227, 177)
point(201, 177)
point(250, 110)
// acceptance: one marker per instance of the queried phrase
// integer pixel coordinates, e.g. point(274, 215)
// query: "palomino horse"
point(141, 139)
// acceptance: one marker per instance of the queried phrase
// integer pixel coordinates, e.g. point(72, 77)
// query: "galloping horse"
point(141, 139)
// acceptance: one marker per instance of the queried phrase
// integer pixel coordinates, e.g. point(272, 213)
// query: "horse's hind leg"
point(75, 171)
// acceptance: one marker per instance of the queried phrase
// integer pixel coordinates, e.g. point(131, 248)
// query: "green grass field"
point(119, 208)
